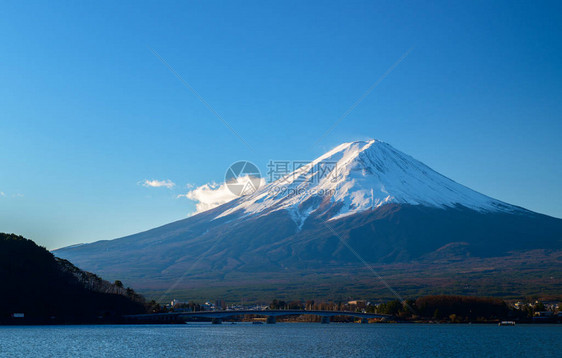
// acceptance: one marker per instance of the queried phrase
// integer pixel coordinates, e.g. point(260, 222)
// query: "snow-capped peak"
point(361, 176)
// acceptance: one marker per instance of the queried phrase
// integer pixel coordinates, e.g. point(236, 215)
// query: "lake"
point(283, 340)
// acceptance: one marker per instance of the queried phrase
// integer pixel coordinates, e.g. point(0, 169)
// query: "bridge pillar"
point(325, 319)
point(271, 320)
point(216, 321)
point(364, 320)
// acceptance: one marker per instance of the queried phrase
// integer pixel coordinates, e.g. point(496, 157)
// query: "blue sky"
point(88, 112)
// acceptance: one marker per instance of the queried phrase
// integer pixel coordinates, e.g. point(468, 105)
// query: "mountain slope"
point(51, 290)
point(389, 207)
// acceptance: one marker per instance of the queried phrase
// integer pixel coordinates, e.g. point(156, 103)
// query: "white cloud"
point(16, 195)
point(211, 195)
point(158, 183)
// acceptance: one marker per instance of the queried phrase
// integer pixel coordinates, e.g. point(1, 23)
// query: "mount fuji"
point(360, 176)
point(293, 236)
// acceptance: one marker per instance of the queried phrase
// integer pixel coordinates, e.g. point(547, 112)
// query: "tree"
point(539, 307)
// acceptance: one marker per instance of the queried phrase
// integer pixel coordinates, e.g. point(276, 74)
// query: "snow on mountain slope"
point(359, 176)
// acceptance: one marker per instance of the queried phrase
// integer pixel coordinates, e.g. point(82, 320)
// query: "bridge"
point(218, 316)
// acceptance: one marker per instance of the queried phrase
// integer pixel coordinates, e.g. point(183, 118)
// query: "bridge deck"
point(274, 313)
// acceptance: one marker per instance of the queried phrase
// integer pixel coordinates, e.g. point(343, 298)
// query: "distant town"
point(437, 309)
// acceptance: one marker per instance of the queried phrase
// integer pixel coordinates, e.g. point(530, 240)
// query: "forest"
point(38, 288)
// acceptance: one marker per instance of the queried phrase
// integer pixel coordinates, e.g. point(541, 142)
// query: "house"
point(519, 305)
point(358, 303)
point(220, 304)
point(175, 303)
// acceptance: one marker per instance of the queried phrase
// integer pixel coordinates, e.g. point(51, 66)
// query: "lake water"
point(283, 340)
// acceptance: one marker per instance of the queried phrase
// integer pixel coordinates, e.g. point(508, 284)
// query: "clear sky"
point(88, 112)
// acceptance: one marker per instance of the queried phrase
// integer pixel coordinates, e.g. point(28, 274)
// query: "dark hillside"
point(51, 290)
